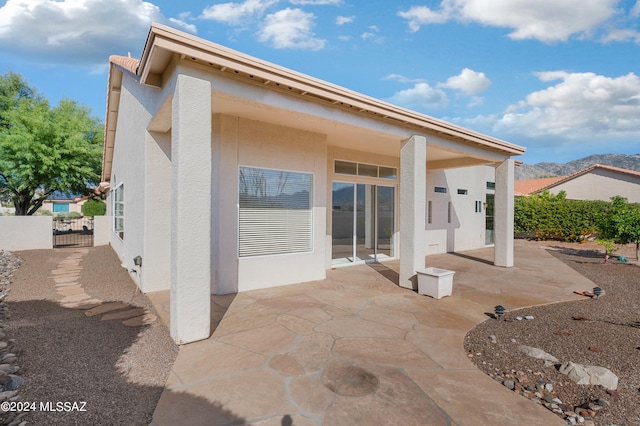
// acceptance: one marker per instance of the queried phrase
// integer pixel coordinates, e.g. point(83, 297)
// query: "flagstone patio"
point(357, 349)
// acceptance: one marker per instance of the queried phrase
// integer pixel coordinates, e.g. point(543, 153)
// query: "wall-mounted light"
point(137, 260)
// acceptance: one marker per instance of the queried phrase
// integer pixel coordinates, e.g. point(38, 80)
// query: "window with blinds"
point(118, 211)
point(275, 214)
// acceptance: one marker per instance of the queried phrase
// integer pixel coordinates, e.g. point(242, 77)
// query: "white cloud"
point(235, 13)
point(291, 29)
point(622, 35)
point(420, 96)
point(582, 107)
point(544, 20)
point(401, 78)
point(341, 20)
point(635, 11)
point(78, 32)
point(422, 15)
point(468, 81)
point(316, 2)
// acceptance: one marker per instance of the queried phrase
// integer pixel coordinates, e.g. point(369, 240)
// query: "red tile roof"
point(529, 186)
point(128, 63)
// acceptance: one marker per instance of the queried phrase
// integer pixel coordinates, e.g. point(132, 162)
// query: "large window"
point(118, 210)
point(275, 212)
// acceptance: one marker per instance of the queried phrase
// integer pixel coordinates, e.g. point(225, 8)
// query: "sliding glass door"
point(362, 222)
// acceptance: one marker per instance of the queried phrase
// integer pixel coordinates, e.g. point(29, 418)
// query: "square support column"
point(190, 210)
point(503, 216)
point(413, 196)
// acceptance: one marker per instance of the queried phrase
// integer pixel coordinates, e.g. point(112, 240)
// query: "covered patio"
point(356, 348)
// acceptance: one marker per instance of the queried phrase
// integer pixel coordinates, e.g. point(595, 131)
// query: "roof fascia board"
point(193, 47)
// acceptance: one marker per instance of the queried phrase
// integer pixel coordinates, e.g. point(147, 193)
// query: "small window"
point(387, 172)
point(429, 212)
point(440, 189)
point(449, 209)
point(363, 169)
point(118, 211)
point(346, 168)
point(462, 192)
point(491, 185)
point(367, 170)
point(478, 206)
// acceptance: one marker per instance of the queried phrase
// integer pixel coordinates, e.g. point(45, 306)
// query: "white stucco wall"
point(467, 228)
point(26, 232)
point(140, 161)
point(601, 184)
point(101, 230)
point(241, 142)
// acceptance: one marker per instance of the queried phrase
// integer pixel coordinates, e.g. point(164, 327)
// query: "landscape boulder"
point(589, 375)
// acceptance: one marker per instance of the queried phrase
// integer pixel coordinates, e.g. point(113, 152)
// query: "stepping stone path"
point(74, 297)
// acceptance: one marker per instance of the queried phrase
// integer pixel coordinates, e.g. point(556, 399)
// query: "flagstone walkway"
point(66, 278)
point(357, 349)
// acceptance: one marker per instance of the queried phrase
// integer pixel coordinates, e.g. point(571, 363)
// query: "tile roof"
point(128, 63)
point(529, 186)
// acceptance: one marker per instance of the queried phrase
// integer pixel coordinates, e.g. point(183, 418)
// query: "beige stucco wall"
point(140, 161)
point(601, 184)
point(467, 228)
point(242, 142)
point(26, 232)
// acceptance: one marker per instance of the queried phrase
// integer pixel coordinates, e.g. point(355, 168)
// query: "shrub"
point(546, 216)
point(93, 207)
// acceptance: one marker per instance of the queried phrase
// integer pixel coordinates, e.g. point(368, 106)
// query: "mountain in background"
point(533, 171)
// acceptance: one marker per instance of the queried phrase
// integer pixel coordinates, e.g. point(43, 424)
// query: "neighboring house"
point(59, 202)
point(227, 173)
point(598, 182)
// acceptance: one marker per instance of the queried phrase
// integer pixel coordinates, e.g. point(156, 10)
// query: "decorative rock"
point(8, 368)
point(509, 384)
point(13, 383)
point(3, 345)
point(8, 358)
point(548, 387)
point(537, 353)
point(5, 395)
point(529, 317)
point(518, 318)
point(589, 375)
point(493, 339)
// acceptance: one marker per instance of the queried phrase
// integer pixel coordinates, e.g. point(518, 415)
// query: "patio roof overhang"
point(167, 48)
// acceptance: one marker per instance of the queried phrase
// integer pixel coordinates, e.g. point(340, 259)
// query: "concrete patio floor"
point(357, 349)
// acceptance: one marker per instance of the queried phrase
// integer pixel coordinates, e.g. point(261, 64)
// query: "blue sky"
point(561, 78)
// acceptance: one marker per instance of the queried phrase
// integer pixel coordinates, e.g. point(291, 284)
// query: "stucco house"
point(226, 173)
point(597, 182)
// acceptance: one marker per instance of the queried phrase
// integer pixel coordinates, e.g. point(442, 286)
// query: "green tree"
point(621, 223)
point(44, 149)
point(93, 207)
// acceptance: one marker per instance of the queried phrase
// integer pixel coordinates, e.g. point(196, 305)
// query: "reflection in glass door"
point(362, 222)
point(488, 229)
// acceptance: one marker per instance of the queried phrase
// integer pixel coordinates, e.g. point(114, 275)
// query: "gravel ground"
point(65, 356)
point(607, 335)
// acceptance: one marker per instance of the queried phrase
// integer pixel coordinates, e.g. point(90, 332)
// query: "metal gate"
point(72, 232)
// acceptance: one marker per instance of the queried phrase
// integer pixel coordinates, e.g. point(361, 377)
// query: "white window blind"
point(275, 214)
point(118, 211)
